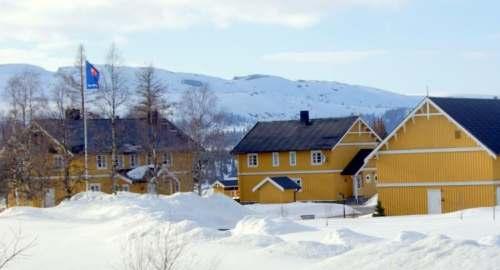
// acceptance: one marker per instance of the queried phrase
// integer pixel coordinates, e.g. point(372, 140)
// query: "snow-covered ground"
point(91, 230)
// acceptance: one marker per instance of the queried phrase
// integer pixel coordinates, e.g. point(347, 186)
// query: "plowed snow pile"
point(90, 230)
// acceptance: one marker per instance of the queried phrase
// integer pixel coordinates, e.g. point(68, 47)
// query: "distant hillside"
point(264, 97)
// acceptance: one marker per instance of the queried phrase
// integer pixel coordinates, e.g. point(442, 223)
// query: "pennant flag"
point(92, 75)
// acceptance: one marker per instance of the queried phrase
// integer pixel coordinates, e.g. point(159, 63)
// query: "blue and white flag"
point(92, 75)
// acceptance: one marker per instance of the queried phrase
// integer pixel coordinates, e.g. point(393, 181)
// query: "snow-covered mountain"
point(264, 97)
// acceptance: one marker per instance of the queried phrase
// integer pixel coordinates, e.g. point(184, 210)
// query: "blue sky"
point(451, 46)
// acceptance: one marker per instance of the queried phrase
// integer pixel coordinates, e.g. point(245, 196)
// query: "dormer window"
point(253, 160)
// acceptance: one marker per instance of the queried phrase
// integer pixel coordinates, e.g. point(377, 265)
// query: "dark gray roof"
point(322, 133)
point(132, 135)
point(357, 162)
point(285, 182)
point(480, 117)
point(229, 183)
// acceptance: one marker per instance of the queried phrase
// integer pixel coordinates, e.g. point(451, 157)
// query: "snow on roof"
point(139, 172)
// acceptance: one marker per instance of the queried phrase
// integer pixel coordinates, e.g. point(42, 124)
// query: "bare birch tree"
point(66, 96)
point(25, 157)
point(150, 108)
point(113, 95)
point(202, 121)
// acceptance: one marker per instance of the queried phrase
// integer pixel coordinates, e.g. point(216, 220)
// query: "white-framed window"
point(101, 162)
point(299, 182)
point(317, 157)
point(292, 156)
point(125, 187)
point(119, 161)
point(368, 178)
point(133, 160)
point(58, 162)
point(95, 187)
point(252, 160)
point(276, 159)
point(167, 159)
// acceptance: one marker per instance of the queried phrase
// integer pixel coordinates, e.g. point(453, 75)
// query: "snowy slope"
point(263, 97)
point(90, 231)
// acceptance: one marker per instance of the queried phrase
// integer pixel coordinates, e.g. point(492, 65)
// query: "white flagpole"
point(82, 81)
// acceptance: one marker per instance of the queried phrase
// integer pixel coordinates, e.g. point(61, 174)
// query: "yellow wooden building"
point(324, 157)
point(133, 162)
point(444, 156)
point(228, 187)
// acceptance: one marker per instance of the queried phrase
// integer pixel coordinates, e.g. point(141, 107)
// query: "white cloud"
point(48, 27)
point(326, 57)
point(40, 20)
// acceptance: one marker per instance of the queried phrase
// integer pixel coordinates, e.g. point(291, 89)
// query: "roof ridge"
point(311, 119)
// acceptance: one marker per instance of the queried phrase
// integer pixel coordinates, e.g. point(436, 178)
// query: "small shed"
point(280, 189)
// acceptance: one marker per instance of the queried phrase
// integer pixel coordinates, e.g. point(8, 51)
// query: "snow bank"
point(215, 211)
point(430, 252)
point(268, 226)
point(306, 249)
point(410, 237)
point(372, 202)
point(492, 240)
point(252, 240)
point(349, 238)
point(297, 209)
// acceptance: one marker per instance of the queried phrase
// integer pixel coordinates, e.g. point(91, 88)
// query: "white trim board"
point(267, 179)
point(359, 119)
point(431, 150)
point(358, 143)
point(290, 172)
point(439, 184)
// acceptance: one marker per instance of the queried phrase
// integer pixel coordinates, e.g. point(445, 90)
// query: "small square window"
point(134, 161)
point(101, 162)
point(125, 187)
point(458, 134)
point(368, 178)
point(95, 187)
point(167, 159)
point(118, 162)
point(316, 158)
point(253, 160)
point(58, 162)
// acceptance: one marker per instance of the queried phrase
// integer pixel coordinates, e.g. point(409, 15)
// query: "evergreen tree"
point(379, 210)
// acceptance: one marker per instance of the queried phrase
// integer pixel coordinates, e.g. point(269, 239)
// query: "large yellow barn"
point(444, 156)
point(306, 160)
point(133, 161)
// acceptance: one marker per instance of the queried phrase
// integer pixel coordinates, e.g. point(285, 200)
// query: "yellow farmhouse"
point(133, 161)
point(444, 156)
point(306, 160)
